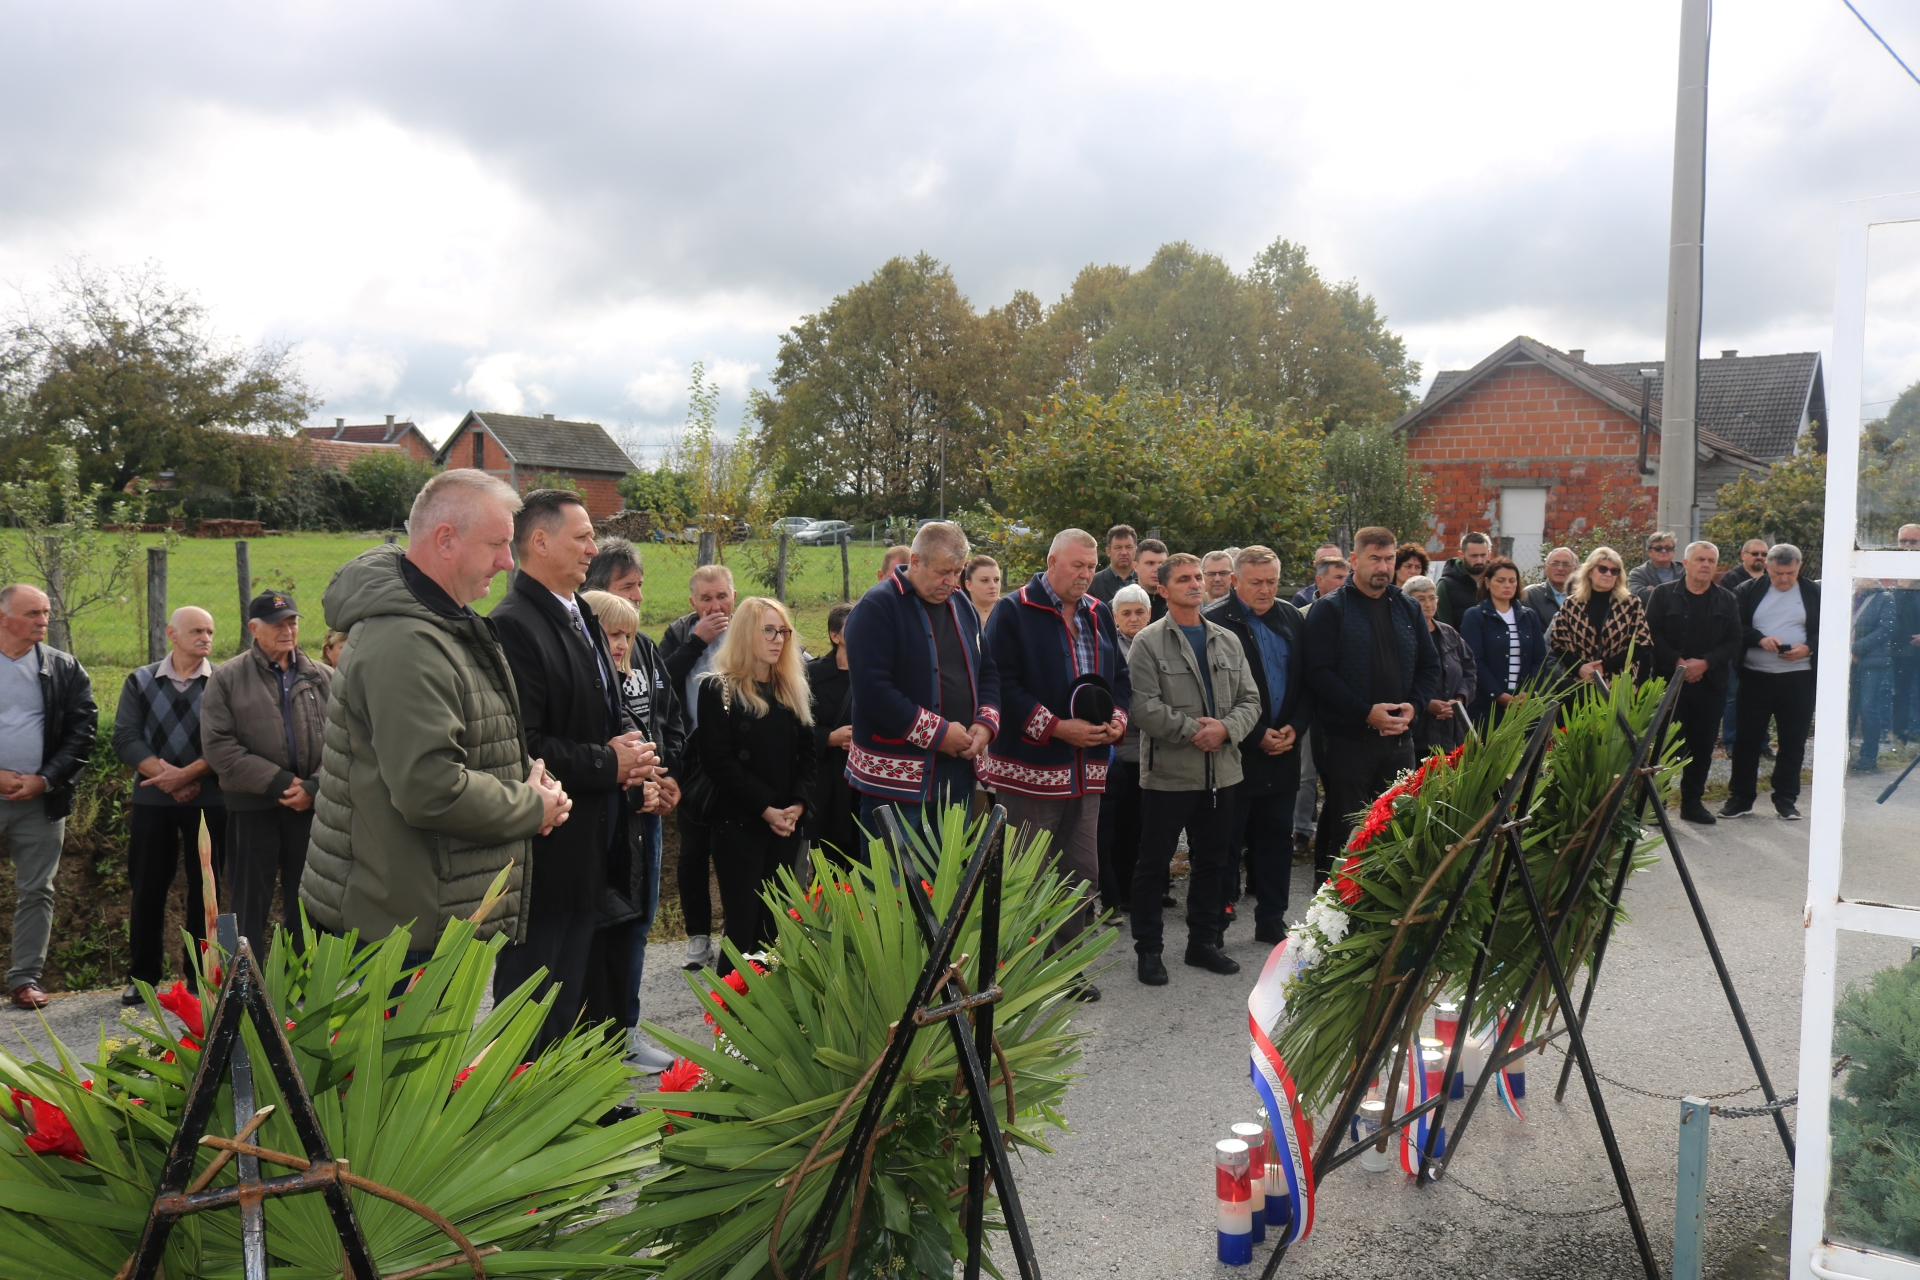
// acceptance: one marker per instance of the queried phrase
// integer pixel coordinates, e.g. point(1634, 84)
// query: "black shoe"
point(1766, 753)
point(1202, 955)
point(1086, 993)
point(1166, 900)
point(1788, 812)
point(1232, 915)
point(1694, 811)
point(1302, 848)
point(1736, 809)
point(1153, 970)
point(616, 1115)
point(1272, 934)
point(131, 996)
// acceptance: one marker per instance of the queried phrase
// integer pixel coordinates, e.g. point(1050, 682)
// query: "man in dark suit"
point(571, 712)
point(1273, 636)
point(1695, 621)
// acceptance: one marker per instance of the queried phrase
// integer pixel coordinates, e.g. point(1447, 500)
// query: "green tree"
point(1789, 505)
point(63, 548)
point(1369, 480)
point(1205, 475)
point(880, 394)
point(126, 368)
point(668, 494)
point(1890, 471)
point(724, 478)
point(385, 486)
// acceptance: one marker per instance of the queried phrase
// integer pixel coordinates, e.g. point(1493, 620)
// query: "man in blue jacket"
point(1050, 767)
point(1370, 663)
point(926, 700)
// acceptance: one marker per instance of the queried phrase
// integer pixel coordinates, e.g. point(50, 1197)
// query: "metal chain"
point(1764, 1109)
point(1454, 1180)
point(1661, 1097)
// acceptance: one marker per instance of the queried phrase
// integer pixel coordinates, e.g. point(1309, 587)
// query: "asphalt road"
point(1130, 1192)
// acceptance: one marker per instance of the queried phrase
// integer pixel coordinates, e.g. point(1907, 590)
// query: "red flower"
point(737, 981)
point(681, 1077)
point(515, 1074)
point(52, 1134)
point(1346, 885)
point(185, 1005)
point(460, 1079)
point(927, 887)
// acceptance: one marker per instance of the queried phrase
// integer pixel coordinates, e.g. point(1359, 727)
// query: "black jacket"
point(1262, 774)
point(71, 720)
point(1748, 597)
point(1459, 591)
point(756, 762)
point(568, 715)
point(1340, 659)
point(1666, 619)
point(834, 809)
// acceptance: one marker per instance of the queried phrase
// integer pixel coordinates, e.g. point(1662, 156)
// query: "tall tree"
point(126, 369)
point(873, 390)
point(1369, 480)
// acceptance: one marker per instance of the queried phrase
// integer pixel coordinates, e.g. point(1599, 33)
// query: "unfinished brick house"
point(1538, 445)
point(520, 450)
point(403, 436)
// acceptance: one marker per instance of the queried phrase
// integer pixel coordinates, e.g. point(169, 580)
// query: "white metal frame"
point(1827, 913)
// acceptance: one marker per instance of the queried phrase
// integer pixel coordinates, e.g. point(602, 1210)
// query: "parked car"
point(792, 526)
point(822, 533)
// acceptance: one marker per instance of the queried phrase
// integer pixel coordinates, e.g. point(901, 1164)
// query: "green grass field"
point(202, 571)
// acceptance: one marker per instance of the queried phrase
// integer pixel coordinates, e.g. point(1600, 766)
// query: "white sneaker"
point(645, 1056)
point(699, 952)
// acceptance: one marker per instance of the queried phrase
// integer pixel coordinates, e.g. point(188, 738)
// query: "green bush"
point(1876, 1122)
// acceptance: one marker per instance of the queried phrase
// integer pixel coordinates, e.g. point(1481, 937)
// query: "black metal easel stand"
point(982, 880)
point(243, 996)
point(1501, 838)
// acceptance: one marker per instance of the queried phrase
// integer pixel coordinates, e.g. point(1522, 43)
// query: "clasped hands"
point(20, 786)
point(964, 743)
point(1085, 733)
point(1390, 719)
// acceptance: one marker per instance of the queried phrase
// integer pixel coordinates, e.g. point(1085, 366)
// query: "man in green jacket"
point(1195, 701)
point(426, 791)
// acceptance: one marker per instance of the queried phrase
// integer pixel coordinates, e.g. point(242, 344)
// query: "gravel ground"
point(1130, 1191)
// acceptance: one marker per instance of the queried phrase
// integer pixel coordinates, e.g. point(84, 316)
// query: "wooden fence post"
point(846, 582)
point(156, 603)
point(243, 569)
point(780, 571)
point(59, 629)
point(708, 548)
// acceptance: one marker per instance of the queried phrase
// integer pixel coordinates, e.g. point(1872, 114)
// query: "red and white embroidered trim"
point(896, 770)
point(1002, 774)
point(926, 729)
point(990, 717)
point(1040, 724)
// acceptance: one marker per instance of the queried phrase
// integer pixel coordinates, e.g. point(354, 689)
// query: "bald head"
point(190, 637)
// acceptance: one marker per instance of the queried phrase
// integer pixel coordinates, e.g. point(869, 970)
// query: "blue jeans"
point(1727, 721)
point(650, 841)
point(1874, 687)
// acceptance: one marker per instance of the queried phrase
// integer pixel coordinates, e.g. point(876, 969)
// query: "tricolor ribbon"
point(1266, 1004)
point(1413, 1138)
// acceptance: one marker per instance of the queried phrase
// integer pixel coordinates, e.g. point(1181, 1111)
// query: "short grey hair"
point(615, 558)
point(942, 538)
point(1569, 552)
point(1211, 556)
point(1255, 554)
point(1658, 534)
point(1711, 546)
point(454, 497)
point(1419, 584)
point(1071, 538)
point(1784, 553)
point(1132, 593)
point(710, 573)
point(8, 592)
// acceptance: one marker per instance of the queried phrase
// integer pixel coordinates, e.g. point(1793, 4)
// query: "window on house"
point(479, 450)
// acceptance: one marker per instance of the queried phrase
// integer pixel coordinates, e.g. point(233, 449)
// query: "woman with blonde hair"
point(1601, 621)
point(756, 748)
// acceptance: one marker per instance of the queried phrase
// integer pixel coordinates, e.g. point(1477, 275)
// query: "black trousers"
point(1207, 817)
point(1354, 772)
point(559, 943)
point(696, 901)
point(1265, 824)
point(1699, 713)
point(162, 838)
point(745, 861)
point(265, 846)
point(1785, 698)
point(1119, 834)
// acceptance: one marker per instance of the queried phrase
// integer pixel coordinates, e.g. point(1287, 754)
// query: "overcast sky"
point(559, 207)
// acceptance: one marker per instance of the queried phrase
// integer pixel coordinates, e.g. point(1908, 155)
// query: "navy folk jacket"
point(894, 663)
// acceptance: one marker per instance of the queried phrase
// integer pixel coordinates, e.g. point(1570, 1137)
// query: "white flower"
point(1327, 920)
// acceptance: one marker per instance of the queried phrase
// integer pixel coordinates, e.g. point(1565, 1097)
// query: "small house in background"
point(403, 436)
point(1538, 445)
point(520, 450)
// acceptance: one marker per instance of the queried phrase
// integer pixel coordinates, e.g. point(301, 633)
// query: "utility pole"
point(1679, 392)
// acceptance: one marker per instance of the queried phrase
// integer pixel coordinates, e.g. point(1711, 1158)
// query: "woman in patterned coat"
point(1601, 623)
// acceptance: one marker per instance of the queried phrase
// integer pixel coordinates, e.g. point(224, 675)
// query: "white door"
point(1523, 517)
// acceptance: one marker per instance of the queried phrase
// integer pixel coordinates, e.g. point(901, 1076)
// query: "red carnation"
point(681, 1077)
point(737, 981)
point(1345, 884)
point(52, 1133)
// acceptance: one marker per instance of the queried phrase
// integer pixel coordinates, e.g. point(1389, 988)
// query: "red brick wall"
point(417, 447)
point(1524, 423)
point(600, 490)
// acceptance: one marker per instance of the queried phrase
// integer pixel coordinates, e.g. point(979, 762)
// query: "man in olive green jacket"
point(426, 792)
point(1194, 701)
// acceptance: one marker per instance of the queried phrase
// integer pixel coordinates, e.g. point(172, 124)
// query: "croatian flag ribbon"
point(1413, 1138)
point(1292, 1136)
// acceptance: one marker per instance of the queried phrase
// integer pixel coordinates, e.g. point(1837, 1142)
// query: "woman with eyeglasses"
point(756, 745)
point(1601, 622)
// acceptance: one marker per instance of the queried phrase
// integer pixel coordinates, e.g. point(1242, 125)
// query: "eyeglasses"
point(1664, 546)
point(1607, 569)
point(1910, 542)
point(780, 632)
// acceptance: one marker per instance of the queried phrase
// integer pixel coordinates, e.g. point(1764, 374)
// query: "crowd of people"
point(1156, 711)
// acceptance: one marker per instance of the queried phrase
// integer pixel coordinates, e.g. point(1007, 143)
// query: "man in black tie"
point(571, 712)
